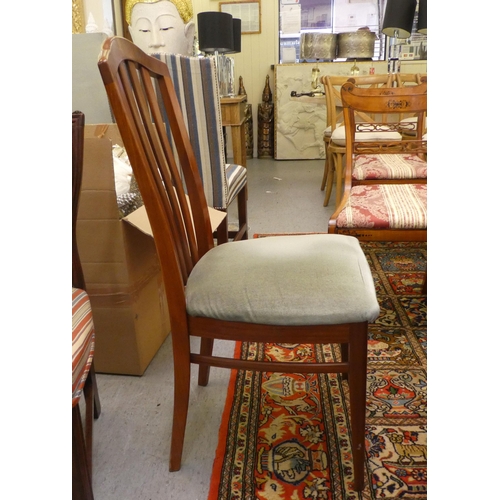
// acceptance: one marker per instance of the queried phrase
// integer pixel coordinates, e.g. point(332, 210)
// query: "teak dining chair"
point(84, 380)
point(287, 289)
point(389, 211)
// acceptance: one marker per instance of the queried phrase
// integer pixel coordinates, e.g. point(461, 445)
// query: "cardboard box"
point(120, 265)
point(121, 268)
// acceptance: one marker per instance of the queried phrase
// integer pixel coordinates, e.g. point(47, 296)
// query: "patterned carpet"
point(287, 436)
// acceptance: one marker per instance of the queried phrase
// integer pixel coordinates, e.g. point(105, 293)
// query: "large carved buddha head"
point(161, 26)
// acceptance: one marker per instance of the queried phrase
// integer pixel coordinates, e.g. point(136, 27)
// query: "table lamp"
point(236, 37)
point(216, 36)
point(422, 17)
point(398, 23)
point(317, 46)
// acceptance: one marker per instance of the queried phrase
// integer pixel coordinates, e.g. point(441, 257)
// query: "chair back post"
point(78, 126)
point(139, 88)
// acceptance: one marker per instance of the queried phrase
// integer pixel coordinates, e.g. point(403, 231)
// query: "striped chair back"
point(196, 86)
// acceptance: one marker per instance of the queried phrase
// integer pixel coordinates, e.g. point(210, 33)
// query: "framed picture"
point(248, 12)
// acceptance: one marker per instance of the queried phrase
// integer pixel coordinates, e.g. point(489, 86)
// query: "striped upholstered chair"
point(383, 209)
point(195, 82)
point(83, 379)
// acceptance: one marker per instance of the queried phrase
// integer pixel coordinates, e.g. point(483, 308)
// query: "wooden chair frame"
point(82, 438)
point(334, 170)
point(392, 101)
point(182, 237)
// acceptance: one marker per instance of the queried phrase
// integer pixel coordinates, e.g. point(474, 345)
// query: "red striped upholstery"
point(385, 206)
point(389, 166)
point(83, 341)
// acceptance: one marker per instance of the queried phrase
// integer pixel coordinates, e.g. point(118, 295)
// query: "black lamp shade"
point(398, 17)
point(236, 37)
point(422, 17)
point(215, 32)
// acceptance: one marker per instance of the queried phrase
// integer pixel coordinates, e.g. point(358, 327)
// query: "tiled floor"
point(132, 435)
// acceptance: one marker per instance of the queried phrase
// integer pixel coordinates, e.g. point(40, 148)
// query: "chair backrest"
point(78, 125)
point(407, 79)
point(196, 86)
point(142, 96)
point(383, 101)
point(332, 85)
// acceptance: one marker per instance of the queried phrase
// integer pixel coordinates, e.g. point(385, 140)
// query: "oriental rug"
point(287, 436)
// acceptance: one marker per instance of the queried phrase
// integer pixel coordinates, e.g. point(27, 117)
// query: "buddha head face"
point(161, 26)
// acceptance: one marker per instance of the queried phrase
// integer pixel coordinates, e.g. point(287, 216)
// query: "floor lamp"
point(398, 23)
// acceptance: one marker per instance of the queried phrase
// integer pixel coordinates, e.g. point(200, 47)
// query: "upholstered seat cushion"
point(327, 132)
point(236, 176)
point(385, 206)
point(83, 341)
point(338, 136)
point(389, 166)
point(284, 280)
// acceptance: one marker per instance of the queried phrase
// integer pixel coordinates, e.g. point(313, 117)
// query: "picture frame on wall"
point(248, 12)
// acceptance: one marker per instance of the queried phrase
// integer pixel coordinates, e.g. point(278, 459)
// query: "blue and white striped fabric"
point(196, 87)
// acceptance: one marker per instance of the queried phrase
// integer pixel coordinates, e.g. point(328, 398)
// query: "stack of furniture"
point(385, 192)
point(335, 135)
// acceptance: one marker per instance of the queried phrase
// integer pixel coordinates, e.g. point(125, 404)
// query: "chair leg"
point(82, 481)
point(325, 170)
point(97, 401)
point(88, 393)
point(182, 377)
point(340, 178)
point(330, 177)
point(344, 356)
point(222, 232)
point(242, 213)
point(206, 348)
point(92, 411)
point(358, 351)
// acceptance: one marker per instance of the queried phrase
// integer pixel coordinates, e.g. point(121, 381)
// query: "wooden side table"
point(233, 115)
